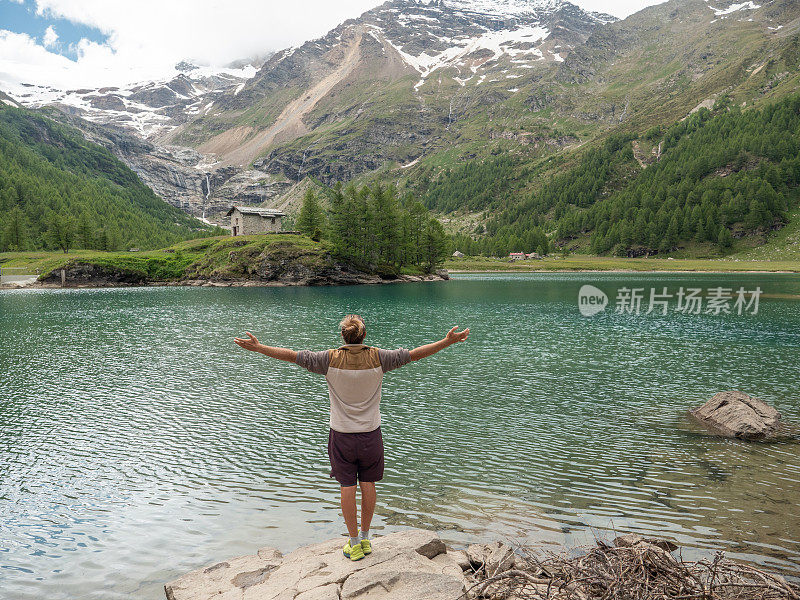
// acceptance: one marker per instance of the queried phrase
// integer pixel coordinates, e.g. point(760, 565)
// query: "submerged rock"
point(408, 565)
point(735, 414)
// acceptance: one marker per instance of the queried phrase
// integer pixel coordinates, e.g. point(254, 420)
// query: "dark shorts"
point(356, 456)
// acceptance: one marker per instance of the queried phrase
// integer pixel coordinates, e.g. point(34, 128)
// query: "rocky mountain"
point(207, 129)
point(148, 109)
point(409, 88)
point(586, 76)
point(132, 122)
point(413, 87)
point(381, 79)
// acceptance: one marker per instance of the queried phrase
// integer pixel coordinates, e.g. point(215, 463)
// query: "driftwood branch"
point(638, 569)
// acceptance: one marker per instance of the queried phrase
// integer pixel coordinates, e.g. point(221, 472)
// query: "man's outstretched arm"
point(451, 338)
point(254, 345)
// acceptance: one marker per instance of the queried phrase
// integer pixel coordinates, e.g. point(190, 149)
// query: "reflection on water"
point(138, 442)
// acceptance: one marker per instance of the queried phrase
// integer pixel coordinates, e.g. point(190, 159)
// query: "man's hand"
point(454, 336)
point(254, 345)
point(248, 344)
point(451, 338)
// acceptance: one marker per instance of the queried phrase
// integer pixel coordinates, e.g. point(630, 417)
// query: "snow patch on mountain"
point(720, 12)
point(459, 54)
point(149, 107)
point(472, 36)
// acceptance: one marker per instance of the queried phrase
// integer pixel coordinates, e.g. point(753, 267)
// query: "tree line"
point(59, 191)
point(474, 185)
point(373, 228)
point(722, 174)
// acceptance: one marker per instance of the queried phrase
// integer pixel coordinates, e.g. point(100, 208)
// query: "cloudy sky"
point(90, 43)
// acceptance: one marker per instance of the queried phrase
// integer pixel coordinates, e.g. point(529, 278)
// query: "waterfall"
point(208, 193)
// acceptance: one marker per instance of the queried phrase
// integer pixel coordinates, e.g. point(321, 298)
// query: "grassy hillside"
point(638, 76)
point(781, 245)
point(57, 188)
point(715, 183)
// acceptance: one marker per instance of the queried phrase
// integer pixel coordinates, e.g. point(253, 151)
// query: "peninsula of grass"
point(253, 258)
point(222, 257)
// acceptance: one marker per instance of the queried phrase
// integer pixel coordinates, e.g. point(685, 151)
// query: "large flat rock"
point(406, 565)
point(735, 414)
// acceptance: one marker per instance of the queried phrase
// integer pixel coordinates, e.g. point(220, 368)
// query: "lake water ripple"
point(139, 443)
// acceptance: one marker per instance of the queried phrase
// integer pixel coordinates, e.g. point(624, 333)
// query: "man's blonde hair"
point(353, 329)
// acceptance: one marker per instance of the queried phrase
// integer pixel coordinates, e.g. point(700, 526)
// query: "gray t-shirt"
point(354, 374)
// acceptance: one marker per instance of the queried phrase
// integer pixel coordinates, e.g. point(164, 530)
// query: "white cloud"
point(50, 37)
point(25, 60)
point(147, 38)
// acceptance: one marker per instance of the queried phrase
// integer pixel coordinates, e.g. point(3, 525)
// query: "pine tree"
point(385, 225)
point(342, 223)
point(673, 231)
point(311, 220)
point(61, 231)
point(101, 240)
point(85, 232)
point(700, 233)
point(15, 233)
point(418, 215)
point(370, 227)
point(434, 245)
point(725, 239)
point(757, 214)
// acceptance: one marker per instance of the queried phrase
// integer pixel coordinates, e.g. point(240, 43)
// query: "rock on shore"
point(408, 565)
point(735, 414)
point(416, 565)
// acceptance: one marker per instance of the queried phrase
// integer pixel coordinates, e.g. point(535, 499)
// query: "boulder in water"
point(737, 415)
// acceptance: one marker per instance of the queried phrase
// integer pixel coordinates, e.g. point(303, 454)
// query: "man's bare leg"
point(368, 498)
point(349, 510)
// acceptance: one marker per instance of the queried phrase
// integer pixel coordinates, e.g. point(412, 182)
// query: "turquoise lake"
point(137, 442)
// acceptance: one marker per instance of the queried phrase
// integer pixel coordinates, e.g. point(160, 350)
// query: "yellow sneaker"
point(353, 552)
point(366, 546)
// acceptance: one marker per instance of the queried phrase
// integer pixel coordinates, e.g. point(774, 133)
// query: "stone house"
point(246, 220)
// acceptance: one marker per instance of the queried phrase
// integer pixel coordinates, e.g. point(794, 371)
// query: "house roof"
point(251, 210)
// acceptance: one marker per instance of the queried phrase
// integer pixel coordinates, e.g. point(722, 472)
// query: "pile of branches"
point(630, 569)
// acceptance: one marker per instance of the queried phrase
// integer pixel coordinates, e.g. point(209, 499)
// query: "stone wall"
point(250, 224)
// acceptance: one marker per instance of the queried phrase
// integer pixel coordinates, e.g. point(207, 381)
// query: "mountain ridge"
point(433, 85)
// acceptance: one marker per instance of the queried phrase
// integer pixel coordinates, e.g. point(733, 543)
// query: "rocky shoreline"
point(86, 275)
point(417, 565)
